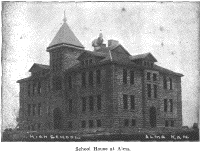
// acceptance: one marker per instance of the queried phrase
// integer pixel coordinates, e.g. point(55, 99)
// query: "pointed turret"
point(65, 37)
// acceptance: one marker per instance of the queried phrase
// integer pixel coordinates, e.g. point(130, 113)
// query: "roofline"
point(31, 78)
point(23, 80)
point(153, 56)
point(148, 53)
point(105, 63)
point(63, 44)
point(122, 47)
point(172, 73)
point(41, 67)
point(91, 53)
point(126, 64)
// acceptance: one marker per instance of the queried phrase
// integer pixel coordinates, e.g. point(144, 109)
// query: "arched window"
point(57, 83)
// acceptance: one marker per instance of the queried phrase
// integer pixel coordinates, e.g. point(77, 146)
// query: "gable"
point(146, 56)
point(121, 50)
point(151, 58)
point(38, 67)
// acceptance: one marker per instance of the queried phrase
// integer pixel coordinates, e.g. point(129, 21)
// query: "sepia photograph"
point(100, 71)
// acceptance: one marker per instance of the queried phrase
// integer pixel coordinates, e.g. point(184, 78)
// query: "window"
point(90, 78)
point(39, 109)
point(170, 83)
point(29, 90)
point(125, 101)
point(155, 90)
point(99, 102)
point(48, 85)
point(98, 76)
point(86, 62)
point(57, 84)
point(43, 73)
point(91, 123)
point(91, 103)
point(132, 102)
point(164, 82)
point(29, 128)
point(154, 77)
point(90, 61)
point(148, 76)
point(151, 64)
point(83, 104)
point(83, 79)
point(29, 110)
point(145, 63)
point(133, 123)
point(124, 76)
point(33, 127)
point(70, 125)
point(83, 63)
point(70, 82)
point(126, 122)
point(166, 123)
point(83, 124)
point(48, 111)
point(165, 105)
point(70, 105)
point(169, 123)
point(149, 90)
point(39, 125)
point(131, 77)
point(56, 61)
point(98, 123)
point(172, 123)
point(171, 105)
point(34, 108)
point(34, 86)
point(39, 88)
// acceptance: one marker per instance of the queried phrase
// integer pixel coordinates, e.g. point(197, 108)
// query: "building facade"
point(106, 89)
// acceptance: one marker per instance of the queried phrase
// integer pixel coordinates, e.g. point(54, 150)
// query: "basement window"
point(91, 123)
point(126, 122)
point(83, 124)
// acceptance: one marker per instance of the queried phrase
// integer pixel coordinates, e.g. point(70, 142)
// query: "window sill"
point(170, 90)
point(152, 98)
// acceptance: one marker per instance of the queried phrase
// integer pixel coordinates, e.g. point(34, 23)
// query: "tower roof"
point(65, 36)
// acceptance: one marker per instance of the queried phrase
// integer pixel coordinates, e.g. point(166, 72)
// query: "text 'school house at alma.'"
point(107, 89)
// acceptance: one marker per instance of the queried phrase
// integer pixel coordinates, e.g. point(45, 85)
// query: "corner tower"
point(63, 50)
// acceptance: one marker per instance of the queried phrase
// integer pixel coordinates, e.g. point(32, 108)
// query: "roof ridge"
point(41, 64)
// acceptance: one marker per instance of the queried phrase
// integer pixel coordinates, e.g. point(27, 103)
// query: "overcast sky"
point(168, 30)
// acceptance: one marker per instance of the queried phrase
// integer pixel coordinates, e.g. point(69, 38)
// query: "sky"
point(168, 30)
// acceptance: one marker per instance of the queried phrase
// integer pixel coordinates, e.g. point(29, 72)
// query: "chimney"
point(103, 45)
point(112, 42)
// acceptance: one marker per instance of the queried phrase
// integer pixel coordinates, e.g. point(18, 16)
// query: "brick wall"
point(119, 89)
point(175, 95)
point(77, 92)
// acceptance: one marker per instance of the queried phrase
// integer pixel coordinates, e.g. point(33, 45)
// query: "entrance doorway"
point(57, 118)
point(152, 120)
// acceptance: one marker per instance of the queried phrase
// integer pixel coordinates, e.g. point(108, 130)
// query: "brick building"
point(104, 89)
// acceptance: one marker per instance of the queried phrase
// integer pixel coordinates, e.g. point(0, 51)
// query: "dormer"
point(38, 70)
point(146, 60)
